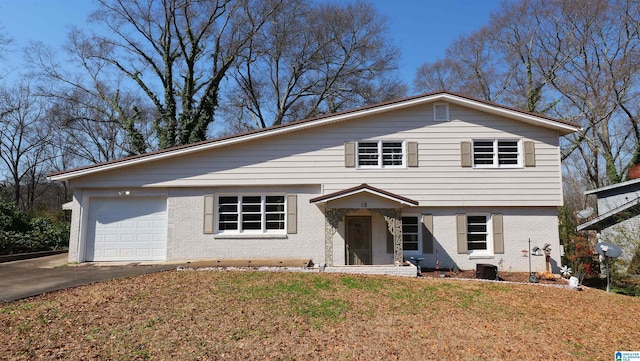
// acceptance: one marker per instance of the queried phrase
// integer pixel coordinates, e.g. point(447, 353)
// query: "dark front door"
point(358, 242)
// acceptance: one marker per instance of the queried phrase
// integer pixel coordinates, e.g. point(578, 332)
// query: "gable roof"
point(364, 188)
point(562, 127)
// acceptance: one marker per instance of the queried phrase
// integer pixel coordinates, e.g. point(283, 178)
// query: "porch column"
point(393, 217)
point(331, 219)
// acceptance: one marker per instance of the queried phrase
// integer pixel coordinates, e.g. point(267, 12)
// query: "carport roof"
point(613, 216)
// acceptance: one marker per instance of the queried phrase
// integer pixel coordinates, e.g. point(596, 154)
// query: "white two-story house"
point(442, 176)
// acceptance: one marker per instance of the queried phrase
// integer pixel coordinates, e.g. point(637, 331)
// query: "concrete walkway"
point(27, 278)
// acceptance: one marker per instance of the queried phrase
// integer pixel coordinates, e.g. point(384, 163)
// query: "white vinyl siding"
point(381, 154)
point(497, 153)
point(316, 156)
point(251, 214)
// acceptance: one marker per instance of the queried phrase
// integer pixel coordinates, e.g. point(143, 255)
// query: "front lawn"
point(243, 315)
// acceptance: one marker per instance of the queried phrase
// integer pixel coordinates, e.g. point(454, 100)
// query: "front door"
point(358, 242)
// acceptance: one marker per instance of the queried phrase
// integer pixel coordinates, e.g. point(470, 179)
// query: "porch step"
point(404, 270)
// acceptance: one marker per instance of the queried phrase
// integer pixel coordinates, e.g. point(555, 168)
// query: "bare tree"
point(98, 131)
point(600, 87)
point(510, 60)
point(24, 142)
point(92, 105)
point(177, 52)
point(527, 33)
point(5, 41)
point(442, 74)
point(473, 65)
point(313, 59)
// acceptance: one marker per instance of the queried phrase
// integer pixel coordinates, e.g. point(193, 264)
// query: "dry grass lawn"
point(240, 315)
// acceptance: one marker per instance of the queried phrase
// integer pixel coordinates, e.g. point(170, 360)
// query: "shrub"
point(581, 256)
point(21, 234)
point(47, 234)
point(634, 265)
point(11, 219)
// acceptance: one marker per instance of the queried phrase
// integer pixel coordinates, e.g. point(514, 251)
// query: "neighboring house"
point(618, 218)
point(442, 176)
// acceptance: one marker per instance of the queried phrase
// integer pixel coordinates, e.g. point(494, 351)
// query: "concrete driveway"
point(27, 278)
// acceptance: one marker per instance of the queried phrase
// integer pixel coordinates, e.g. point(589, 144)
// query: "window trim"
point(496, 153)
point(490, 244)
point(263, 231)
point(380, 154)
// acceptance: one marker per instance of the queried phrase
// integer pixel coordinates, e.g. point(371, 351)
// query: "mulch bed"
point(521, 277)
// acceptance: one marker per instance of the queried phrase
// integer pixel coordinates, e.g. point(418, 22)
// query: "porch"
point(363, 231)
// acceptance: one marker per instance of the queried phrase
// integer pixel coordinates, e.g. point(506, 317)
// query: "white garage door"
point(127, 229)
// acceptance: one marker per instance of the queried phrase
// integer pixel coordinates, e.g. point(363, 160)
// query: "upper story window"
point(251, 214)
point(381, 154)
point(497, 153)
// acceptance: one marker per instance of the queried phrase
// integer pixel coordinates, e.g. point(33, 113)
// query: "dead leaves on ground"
point(211, 315)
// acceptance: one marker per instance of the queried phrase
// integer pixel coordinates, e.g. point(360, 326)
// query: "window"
point(496, 153)
point(477, 233)
point(381, 154)
point(228, 213)
point(480, 235)
point(411, 233)
point(440, 111)
point(368, 154)
point(412, 236)
point(251, 213)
